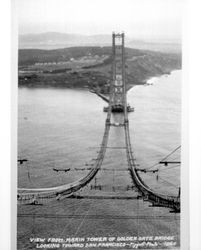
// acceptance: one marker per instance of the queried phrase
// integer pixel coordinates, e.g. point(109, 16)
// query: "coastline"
point(90, 68)
point(148, 80)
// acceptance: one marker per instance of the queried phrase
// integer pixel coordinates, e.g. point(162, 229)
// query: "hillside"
point(89, 67)
point(32, 56)
point(56, 40)
point(61, 40)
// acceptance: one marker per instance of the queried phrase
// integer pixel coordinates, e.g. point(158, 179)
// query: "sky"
point(154, 19)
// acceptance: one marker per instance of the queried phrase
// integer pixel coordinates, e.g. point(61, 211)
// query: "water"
point(155, 127)
point(63, 128)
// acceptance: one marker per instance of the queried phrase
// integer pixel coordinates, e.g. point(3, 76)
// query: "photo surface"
point(99, 124)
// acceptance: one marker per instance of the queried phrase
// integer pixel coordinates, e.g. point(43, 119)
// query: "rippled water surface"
point(63, 128)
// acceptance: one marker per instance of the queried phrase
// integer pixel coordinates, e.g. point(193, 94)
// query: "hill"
point(90, 66)
point(56, 40)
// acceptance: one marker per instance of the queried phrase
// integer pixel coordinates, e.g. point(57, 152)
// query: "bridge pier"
point(117, 103)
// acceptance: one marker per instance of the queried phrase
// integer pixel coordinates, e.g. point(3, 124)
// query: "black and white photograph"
point(99, 124)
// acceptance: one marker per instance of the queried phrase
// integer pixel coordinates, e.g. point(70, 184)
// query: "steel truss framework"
point(117, 100)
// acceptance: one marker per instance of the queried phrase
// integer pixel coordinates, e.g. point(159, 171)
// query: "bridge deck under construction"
point(117, 97)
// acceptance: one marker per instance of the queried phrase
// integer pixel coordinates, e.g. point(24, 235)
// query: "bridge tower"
point(118, 84)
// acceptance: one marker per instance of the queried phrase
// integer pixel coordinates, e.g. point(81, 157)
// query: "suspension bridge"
point(117, 103)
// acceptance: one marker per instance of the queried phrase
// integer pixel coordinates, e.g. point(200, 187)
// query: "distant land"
point(56, 40)
point(90, 67)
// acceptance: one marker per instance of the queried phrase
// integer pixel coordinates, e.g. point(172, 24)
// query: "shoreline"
point(147, 81)
point(90, 68)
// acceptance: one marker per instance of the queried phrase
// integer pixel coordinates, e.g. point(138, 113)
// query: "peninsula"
point(89, 67)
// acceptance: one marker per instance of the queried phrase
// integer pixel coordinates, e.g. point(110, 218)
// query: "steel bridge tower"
point(117, 103)
point(118, 83)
